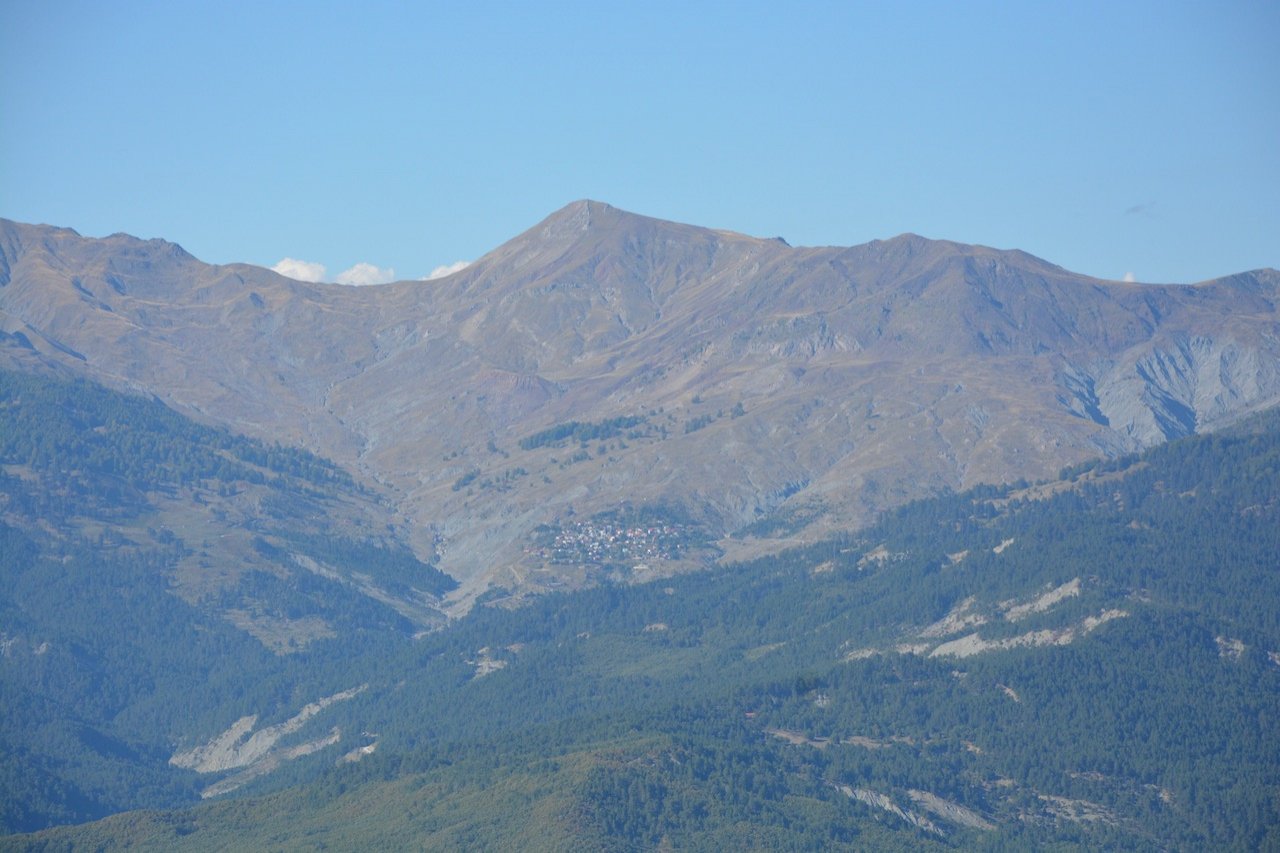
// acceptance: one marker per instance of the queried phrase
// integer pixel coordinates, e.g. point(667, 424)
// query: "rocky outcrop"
point(877, 800)
point(1174, 389)
point(240, 746)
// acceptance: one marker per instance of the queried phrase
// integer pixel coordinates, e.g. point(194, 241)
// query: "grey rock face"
point(1189, 385)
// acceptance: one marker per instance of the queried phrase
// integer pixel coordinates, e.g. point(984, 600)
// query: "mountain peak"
point(909, 241)
point(599, 221)
point(581, 215)
point(60, 240)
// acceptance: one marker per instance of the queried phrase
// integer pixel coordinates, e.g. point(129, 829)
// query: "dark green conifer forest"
point(1088, 663)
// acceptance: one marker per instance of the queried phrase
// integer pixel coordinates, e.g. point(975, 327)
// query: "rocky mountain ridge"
point(772, 391)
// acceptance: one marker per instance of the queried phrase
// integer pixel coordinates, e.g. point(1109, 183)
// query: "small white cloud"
point(449, 269)
point(300, 270)
point(363, 273)
point(1130, 277)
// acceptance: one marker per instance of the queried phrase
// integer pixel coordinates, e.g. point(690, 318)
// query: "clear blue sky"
point(1110, 138)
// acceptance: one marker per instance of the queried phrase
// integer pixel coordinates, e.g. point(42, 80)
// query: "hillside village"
point(608, 540)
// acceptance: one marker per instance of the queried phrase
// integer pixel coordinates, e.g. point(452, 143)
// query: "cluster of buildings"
point(606, 541)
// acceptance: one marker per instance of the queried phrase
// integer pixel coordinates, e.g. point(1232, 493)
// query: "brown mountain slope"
point(815, 384)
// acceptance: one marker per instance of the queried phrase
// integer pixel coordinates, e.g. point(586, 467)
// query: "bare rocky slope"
point(765, 391)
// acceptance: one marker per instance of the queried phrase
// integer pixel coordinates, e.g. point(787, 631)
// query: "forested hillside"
point(1087, 663)
point(158, 575)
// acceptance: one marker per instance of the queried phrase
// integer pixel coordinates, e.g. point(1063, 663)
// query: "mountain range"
point(770, 394)
point(986, 549)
